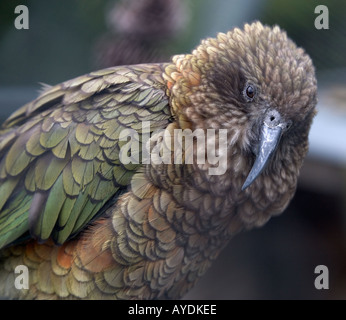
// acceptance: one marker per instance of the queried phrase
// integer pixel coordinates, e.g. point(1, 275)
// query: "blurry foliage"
point(60, 41)
point(56, 46)
point(6, 14)
point(141, 32)
point(326, 47)
point(63, 33)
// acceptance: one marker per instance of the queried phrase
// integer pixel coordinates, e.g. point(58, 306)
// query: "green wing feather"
point(59, 155)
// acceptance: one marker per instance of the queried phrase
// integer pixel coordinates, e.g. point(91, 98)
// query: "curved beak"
point(269, 140)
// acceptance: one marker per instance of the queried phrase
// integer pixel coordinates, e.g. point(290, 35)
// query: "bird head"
point(256, 83)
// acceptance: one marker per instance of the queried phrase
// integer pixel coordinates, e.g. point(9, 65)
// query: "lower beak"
point(269, 140)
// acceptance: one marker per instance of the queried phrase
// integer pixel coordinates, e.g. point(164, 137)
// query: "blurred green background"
point(67, 38)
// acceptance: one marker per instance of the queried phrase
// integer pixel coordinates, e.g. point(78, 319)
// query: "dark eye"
point(249, 91)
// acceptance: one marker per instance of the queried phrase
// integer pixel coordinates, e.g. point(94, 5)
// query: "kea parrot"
point(87, 225)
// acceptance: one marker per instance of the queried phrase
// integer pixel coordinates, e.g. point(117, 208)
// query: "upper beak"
point(269, 140)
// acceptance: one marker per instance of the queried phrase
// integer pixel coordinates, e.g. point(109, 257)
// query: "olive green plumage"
point(151, 230)
point(60, 153)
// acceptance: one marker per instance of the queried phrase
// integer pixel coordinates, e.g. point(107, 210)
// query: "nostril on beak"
point(272, 118)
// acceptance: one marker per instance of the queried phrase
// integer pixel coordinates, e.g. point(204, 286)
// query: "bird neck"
point(204, 197)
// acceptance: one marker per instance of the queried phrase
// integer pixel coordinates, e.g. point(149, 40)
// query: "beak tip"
point(243, 187)
point(246, 184)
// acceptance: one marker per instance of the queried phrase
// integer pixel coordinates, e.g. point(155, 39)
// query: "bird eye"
point(249, 91)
